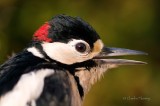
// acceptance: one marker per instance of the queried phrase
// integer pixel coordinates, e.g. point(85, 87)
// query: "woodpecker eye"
point(81, 47)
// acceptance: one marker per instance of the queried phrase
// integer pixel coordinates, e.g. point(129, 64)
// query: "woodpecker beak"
point(110, 52)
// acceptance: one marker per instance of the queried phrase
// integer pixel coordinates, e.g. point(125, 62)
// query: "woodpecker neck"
point(88, 77)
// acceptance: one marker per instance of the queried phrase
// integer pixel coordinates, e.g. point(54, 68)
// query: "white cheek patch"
point(60, 52)
point(28, 89)
point(66, 52)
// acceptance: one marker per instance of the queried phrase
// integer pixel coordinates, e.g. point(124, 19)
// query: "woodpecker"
point(63, 60)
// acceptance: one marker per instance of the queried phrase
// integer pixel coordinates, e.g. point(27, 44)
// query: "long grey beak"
point(110, 51)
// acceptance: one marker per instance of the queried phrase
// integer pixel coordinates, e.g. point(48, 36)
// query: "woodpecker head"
point(70, 40)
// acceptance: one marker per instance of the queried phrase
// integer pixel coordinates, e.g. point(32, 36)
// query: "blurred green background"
point(133, 24)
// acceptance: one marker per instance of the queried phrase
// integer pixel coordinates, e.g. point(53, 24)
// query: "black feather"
point(64, 28)
point(11, 70)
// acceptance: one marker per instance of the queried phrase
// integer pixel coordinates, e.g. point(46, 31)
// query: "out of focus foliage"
point(130, 24)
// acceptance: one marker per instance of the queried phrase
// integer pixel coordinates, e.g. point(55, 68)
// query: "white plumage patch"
point(35, 52)
point(66, 52)
point(28, 89)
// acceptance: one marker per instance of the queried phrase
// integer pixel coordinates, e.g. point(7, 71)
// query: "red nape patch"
point(42, 33)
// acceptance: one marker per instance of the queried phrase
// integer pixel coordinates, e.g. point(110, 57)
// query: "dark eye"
point(81, 47)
